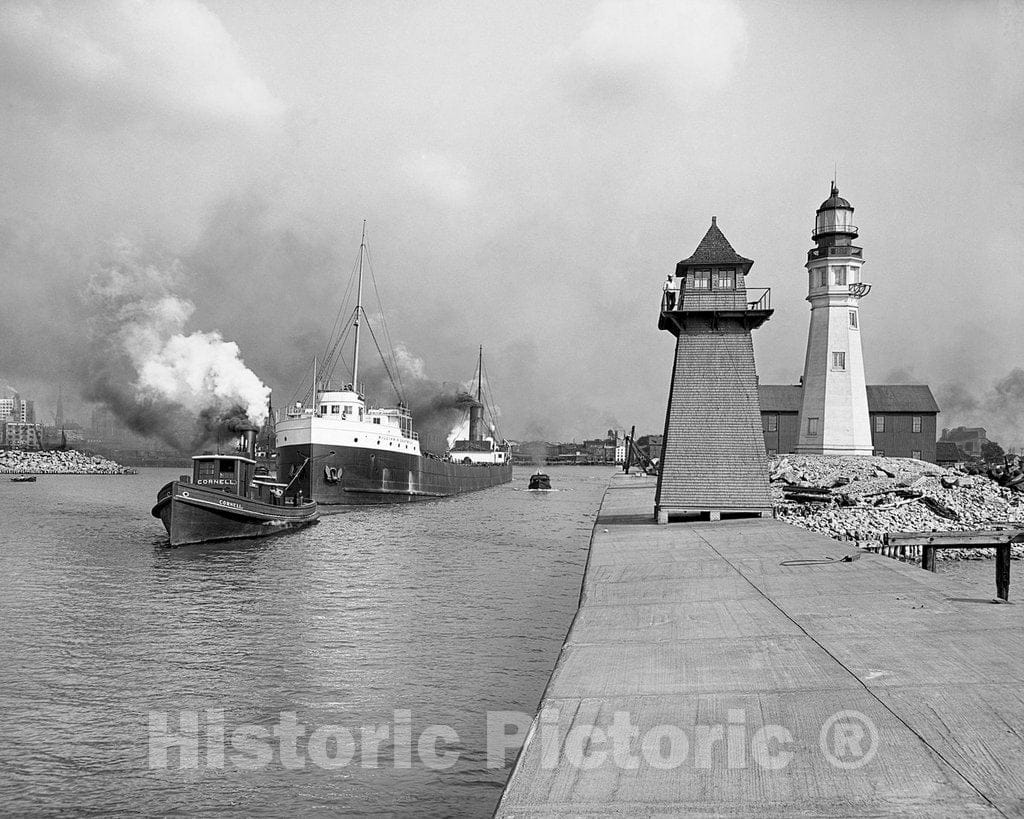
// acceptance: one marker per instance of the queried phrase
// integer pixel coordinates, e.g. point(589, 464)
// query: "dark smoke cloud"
point(437, 407)
point(436, 410)
point(999, 408)
point(183, 390)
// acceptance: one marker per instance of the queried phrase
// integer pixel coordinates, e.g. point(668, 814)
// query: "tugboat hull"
point(195, 514)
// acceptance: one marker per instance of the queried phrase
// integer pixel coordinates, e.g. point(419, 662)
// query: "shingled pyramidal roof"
point(714, 248)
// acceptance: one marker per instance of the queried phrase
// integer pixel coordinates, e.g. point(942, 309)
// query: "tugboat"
point(539, 482)
point(226, 497)
point(23, 479)
point(341, 450)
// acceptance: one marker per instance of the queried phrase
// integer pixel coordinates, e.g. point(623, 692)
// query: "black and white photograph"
point(437, 408)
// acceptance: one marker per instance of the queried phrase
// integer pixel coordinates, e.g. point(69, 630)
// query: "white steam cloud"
point(153, 375)
point(199, 372)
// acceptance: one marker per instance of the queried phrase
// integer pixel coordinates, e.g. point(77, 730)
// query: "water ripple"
point(445, 610)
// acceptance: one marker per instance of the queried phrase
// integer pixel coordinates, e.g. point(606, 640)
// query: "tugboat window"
point(227, 467)
point(335, 409)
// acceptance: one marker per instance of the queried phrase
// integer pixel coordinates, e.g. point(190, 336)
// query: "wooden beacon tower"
point(713, 461)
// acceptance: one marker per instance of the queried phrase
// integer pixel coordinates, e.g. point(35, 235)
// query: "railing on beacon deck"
point(751, 299)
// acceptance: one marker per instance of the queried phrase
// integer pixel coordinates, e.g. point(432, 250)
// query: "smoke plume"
point(437, 406)
point(999, 408)
point(141, 364)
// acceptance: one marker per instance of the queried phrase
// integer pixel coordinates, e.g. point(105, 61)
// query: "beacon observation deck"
point(752, 307)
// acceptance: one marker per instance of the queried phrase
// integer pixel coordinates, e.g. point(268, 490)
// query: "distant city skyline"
point(529, 175)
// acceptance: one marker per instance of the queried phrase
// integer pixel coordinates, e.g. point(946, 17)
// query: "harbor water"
point(348, 668)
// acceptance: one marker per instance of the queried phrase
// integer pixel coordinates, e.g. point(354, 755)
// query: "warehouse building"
point(902, 417)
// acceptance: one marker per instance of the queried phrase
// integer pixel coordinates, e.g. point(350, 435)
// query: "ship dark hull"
point(338, 475)
point(194, 514)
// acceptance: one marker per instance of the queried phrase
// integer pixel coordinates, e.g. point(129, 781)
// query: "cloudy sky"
point(529, 173)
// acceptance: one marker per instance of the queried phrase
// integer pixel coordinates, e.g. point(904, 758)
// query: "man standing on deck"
point(670, 293)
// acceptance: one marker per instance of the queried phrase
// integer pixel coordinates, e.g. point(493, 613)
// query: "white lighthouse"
point(834, 413)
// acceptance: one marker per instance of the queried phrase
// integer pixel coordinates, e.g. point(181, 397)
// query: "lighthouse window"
point(840, 273)
point(879, 423)
point(701, 279)
point(916, 423)
point(725, 279)
point(323, 409)
point(853, 318)
point(812, 426)
point(838, 361)
point(823, 279)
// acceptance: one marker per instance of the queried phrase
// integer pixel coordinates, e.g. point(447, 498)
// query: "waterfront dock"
point(702, 676)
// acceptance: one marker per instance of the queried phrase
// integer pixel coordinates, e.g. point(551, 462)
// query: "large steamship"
point(339, 450)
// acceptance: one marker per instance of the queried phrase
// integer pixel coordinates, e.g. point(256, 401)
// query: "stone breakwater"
point(860, 499)
point(58, 462)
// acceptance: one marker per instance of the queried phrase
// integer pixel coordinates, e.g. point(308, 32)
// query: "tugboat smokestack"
point(248, 431)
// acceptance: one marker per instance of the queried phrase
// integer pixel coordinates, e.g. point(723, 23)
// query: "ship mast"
point(480, 375)
point(359, 309)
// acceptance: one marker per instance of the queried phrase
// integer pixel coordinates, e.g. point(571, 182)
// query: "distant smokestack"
point(476, 421)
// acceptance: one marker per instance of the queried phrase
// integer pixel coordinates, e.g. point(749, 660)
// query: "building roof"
point(948, 451)
point(834, 201)
point(881, 398)
point(780, 397)
point(901, 398)
point(714, 248)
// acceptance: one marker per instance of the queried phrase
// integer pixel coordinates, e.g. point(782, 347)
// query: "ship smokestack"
point(248, 431)
point(476, 421)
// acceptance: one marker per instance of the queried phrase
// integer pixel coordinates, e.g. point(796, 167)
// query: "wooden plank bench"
point(931, 542)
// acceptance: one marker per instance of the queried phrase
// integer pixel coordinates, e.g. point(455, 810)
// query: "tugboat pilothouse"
point(341, 451)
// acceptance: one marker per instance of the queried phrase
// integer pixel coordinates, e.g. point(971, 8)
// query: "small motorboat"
point(23, 479)
point(227, 497)
point(539, 481)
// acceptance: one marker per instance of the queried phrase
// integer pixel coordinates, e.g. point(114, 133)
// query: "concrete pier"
point(701, 676)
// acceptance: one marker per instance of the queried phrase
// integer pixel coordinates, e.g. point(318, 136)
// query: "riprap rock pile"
point(860, 499)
